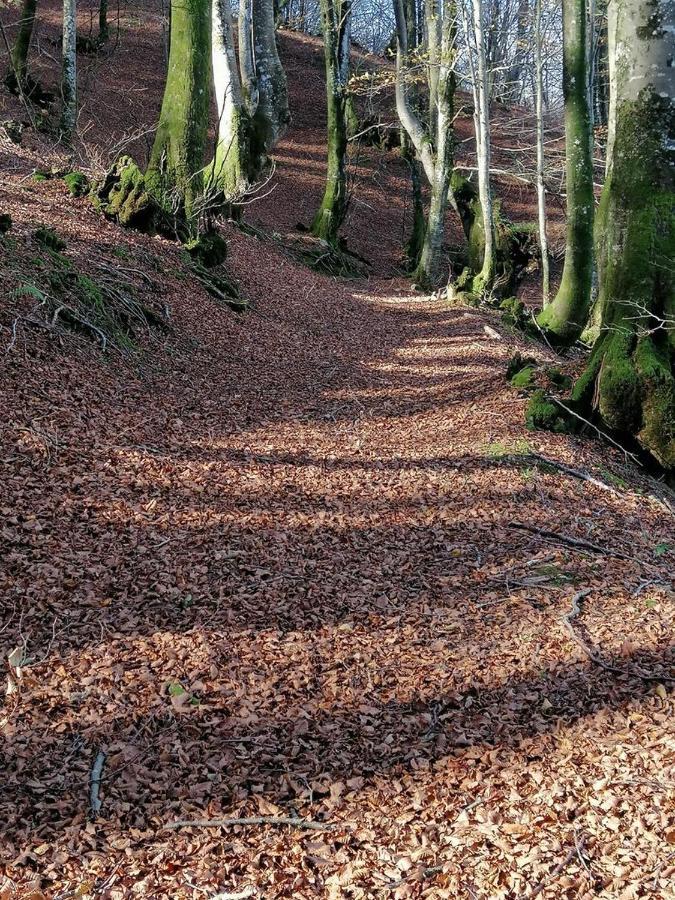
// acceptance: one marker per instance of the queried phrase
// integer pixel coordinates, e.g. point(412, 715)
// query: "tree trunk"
point(427, 270)
point(263, 78)
point(19, 60)
point(175, 174)
point(541, 190)
point(415, 241)
point(564, 319)
point(516, 74)
point(103, 21)
point(336, 26)
point(229, 174)
point(629, 378)
point(69, 69)
point(483, 280)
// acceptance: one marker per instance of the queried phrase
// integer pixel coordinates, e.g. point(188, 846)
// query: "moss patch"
point(77, 183)
point(543, 414)
point(46, 236)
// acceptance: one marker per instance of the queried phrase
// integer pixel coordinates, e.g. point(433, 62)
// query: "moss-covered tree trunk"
point(69, 69)
point(565, 317)
point(427, 270)
point(175, 175)
point(336, 26)
point(629, 379)
point(229, 173)
point(19, 59)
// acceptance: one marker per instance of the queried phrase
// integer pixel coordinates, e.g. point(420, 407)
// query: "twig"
point(599, 431)
point(250, 820)
point(575, 611)
point(95, 783)
point(562, 865)
point(568, 470)
point(569, 541)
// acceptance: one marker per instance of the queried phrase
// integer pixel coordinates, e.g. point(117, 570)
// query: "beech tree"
point(231, 168)
point(263, 78)
point(629, 377)
point(565, 317)
point(175, 172)
point(336, 28)
point(434, 153)
point(18, 72)
point(69, 69)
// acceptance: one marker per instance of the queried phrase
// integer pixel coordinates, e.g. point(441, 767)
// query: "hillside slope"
point(307, 561)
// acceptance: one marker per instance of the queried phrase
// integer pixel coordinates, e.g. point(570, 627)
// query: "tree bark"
point(69, 69)
point(629, 378)
point(229, 174)
point(175, 173)
point(103, 21)
point(263, 78)
point(564, 319)
point(541, 190)
point(336, 26)
point(19, 60)
point(483, 280)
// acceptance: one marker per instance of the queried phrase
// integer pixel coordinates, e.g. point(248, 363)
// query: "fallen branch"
point(250, 820)
point(95, 783)
point(566, 539)
point(562, 865)
point(562, 467)
point(574, 612)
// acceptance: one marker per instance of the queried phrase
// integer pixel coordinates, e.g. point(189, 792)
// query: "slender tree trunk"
point(541, 189)
point(175, 173)
point(103, 21)
point(629, 378)
point(415, 242)
point(19, 60)
point(69, 69)
point(229, 174)
point(336, 26)
point(433, 32)
point(483, 281)
point(517, 70)
point(565, 318)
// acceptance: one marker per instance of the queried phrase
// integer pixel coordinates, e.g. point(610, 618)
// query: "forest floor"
point(307, 562)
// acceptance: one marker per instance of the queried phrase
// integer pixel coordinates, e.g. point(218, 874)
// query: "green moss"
point(557, 378)
point(514, 312)
point(543, 414)
point(209, 249)
point(524, 379)
point(516, 363)
point(40, 176)
point(123, 196)
point(46, 236)
point(77, 183)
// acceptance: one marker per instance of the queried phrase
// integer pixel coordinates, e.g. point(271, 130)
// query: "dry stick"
point(558, 869)
point(568, 470)
point(250, 820)
point(566, 539)
point(95, 783)
point(575, 611)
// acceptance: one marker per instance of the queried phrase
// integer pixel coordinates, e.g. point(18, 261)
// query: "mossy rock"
point(46, 236)
point(518, 362)
point(209, 250)
point(524, 379)
point(514, 312)
point(5, 223)
point(77, 184)
point(543, 414)
point(123, 196)
point(557, 378)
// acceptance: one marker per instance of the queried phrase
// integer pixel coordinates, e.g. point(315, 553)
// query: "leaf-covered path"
point(270, 566)
point(282, 581)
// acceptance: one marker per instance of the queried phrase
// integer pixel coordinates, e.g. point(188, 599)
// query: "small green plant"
point(46, 236)
point(499, 449)
point(77, 183)
point(612, 478)
point(661, 549)
point(176, 689)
